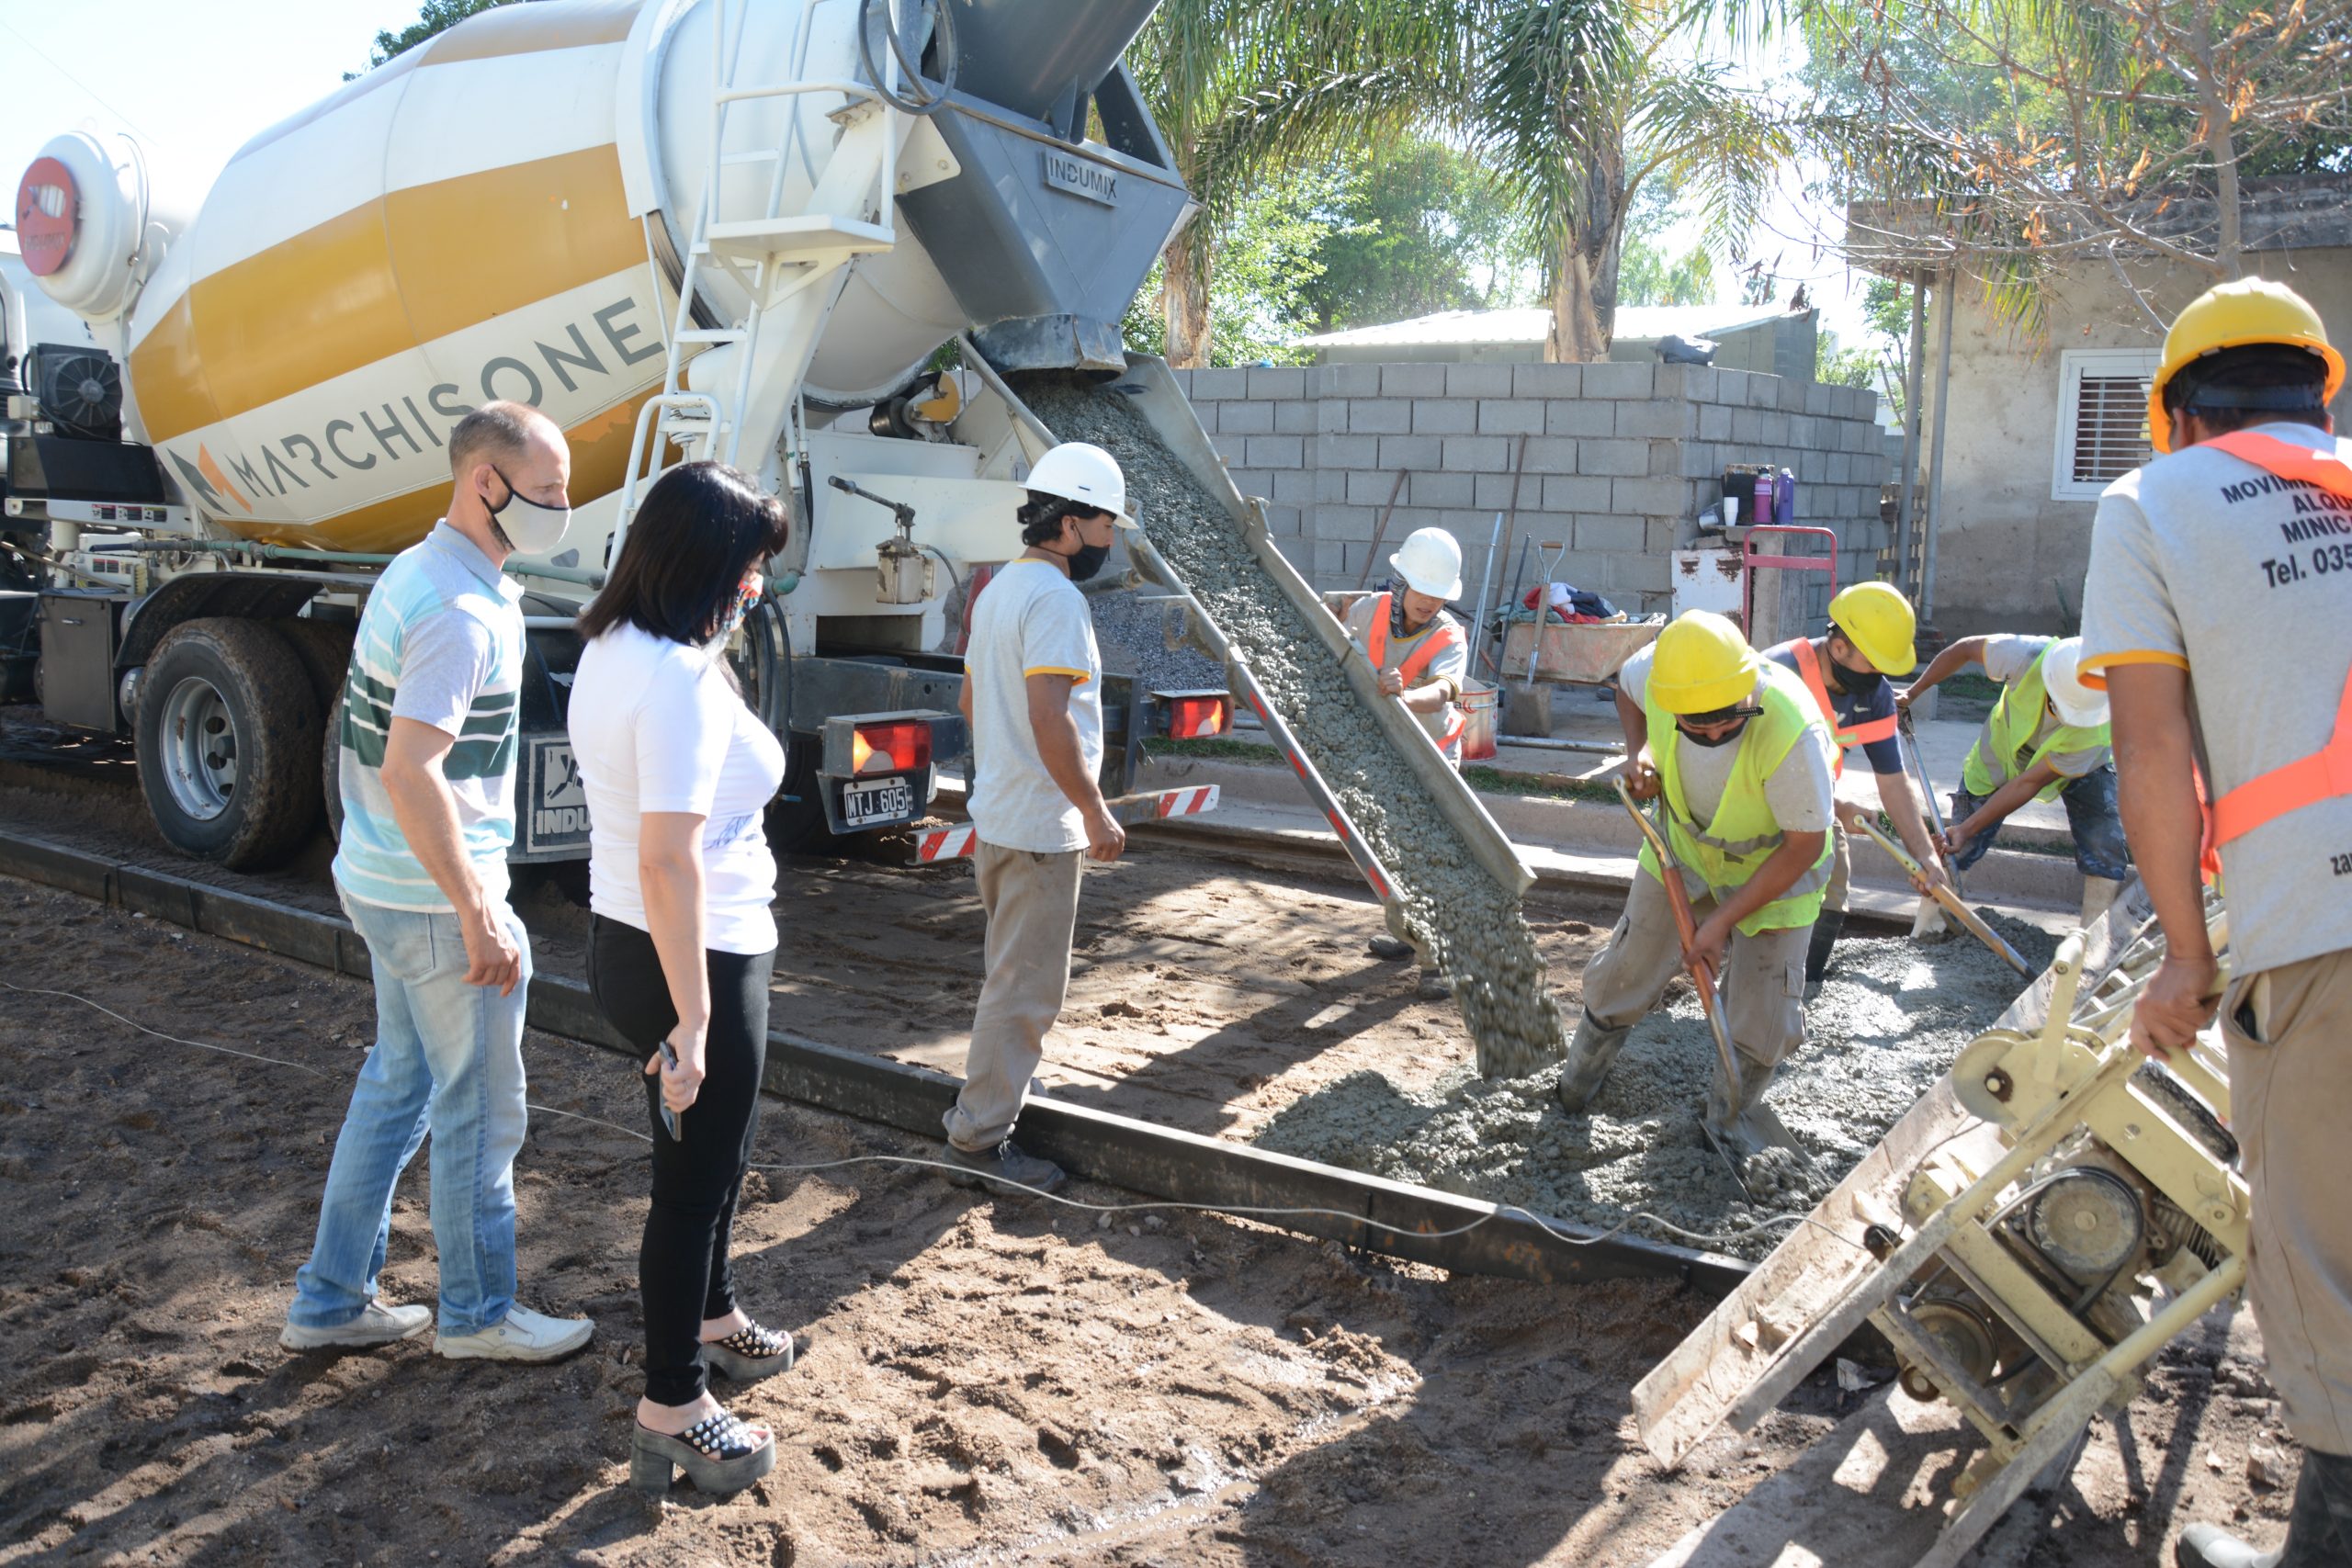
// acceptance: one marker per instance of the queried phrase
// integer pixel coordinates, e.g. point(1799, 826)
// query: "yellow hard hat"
point(2232, 315)
point(1701, 664)
point(1877, 618)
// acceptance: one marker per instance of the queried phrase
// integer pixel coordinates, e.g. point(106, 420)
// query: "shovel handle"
point(1703, 974)
point(1951, 901)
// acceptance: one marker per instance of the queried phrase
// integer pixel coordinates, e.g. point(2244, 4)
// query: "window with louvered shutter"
point(2102, 419)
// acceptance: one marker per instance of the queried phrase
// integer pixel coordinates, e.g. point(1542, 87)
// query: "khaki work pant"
point(1032, 904)
point(2290, 1032)
point(1763, 980)
point(1841, 872)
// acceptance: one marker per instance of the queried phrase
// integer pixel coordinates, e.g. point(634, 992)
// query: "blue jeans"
point(448, 1059)
point(2091, 814)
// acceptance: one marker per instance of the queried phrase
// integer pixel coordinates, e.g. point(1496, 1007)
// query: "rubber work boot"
point(1435, 986)
point(2319, 1530)
point(2099, 896)
point(1825, 932)
point(1730, 1118)
point(1388, 947)
point(1590, 1055)
point(1005, 1169)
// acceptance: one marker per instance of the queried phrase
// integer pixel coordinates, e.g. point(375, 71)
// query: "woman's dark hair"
point(697, 531)
point(1041, 516)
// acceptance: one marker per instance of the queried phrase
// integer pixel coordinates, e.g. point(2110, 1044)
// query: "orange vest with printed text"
point(1846, 736)
point(2326, 773)
point(1444, 637)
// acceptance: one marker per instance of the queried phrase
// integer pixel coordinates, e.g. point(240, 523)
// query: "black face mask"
point(1087, 561)
point(1860, 683)
point(1725, 739)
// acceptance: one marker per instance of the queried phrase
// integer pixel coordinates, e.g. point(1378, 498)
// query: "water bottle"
point(1784, 498)
point(1763, 510)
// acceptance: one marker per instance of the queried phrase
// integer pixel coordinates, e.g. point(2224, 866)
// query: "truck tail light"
point(1196, 718)
point(902, 747)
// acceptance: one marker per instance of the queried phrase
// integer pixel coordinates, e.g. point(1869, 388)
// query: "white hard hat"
point(2077, 705)
point(1430, 561)
point(1083, 472)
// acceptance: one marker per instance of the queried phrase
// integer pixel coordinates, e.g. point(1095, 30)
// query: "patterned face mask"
point(747, 594)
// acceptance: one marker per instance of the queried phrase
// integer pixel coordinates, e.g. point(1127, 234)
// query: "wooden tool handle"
point(1949, 900)
point(1686, 925)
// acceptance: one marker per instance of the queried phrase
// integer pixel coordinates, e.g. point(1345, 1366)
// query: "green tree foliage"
point(1647, 274)
point(438, 16)
point(1417, 228)
point(1269, 263)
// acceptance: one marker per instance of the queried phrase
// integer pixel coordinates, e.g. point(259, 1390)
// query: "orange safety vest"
point(1444, 637)
point(2326, 773)
point(1809, 666)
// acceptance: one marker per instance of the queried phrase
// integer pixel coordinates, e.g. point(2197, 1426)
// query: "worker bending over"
point(1734, 746)
point(1423, 658)
point(2046, 739)
point(1872, 628)
point(2218, 613)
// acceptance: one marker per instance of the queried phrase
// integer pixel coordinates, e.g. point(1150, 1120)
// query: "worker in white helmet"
point(1032, 679)
point(2045, 738)
point(1422, 655)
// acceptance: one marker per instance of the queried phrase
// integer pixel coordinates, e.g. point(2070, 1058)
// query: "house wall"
point(1620, 460)
point(1785, 348)
point(2009, 558)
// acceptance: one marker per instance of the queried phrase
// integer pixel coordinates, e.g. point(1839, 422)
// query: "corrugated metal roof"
point(1532, 323)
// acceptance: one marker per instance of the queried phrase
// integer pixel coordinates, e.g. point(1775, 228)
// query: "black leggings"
point(682, 1276)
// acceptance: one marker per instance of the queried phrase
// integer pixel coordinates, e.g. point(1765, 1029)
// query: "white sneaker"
point(522, 1336)
point(376, 1325)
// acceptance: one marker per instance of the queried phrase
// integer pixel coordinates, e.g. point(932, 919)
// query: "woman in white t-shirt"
point(678, 774)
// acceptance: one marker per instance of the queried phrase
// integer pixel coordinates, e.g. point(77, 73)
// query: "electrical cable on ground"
point(1249, 1210)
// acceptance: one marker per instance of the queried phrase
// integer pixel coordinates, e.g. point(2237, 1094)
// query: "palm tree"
point(1580, 103)
point(1244, 90)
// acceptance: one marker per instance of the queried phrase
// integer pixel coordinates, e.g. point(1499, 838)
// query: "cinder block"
point(1649, 497)
point(1579, 416)
point(1494, 492)
point(1331, 485)
point(1379, 416)
point(1508, 416)
point(1546, 380)
point(1183, 379)
point(1700, 383)
point(1253, 481)
point(1632, 574)
point(1345, 522)
point(1763, 391)
point(1732, 385)
point(1791, 395)
point(1612, 457)
point(1550, 455)
point(1301, 554)
point(1276, 452)
point(1714, 423)
point(1607, 378)
point(1331, 562)
point(1298, 418)
point(1668, 380)
point(1330, 415)
point(1469, 453)
point(1278, 381)
point(1371, 489)
point(1663, 533)
point(1245, 418)
point(1347, 451)
point(1287, 522)
point(1411, 452)
point(1574, 492)
point(1412, 380)
point(1659, 416)
point(1746, 429)
point(1821, 399)
point(1430, 489)
point(1444, 416)
point(1295, 487)
point(1350, 380)
point(1216, 386)
point(1666, 457)
point(1603, 532)
point(1477, 380)
point(1776, 428)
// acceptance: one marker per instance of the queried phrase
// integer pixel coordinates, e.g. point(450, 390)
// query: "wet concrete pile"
point(1887, 1024)
point(1472, 927)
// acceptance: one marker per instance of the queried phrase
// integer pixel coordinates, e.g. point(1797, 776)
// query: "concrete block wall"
point(1613, 461)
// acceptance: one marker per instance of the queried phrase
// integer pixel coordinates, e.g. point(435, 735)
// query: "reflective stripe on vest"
point(1443, 635)
point(1991, 762)
point(2326, 773)
point(1846, 739)
point(1733, 846)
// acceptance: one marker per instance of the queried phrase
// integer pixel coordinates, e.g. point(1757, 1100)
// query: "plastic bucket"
point(1481, 709)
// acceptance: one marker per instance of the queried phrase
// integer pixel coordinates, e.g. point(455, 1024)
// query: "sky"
point(195, 78)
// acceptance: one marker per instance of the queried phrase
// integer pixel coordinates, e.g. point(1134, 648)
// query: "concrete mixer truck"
point(732, 229)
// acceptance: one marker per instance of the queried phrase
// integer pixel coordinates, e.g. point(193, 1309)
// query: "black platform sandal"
point(719, 1454)
point(750, 1353)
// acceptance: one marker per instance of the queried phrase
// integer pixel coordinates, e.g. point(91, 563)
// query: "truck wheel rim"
point(199, 748)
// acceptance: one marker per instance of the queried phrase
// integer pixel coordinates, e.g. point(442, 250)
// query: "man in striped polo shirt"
point(427, 728)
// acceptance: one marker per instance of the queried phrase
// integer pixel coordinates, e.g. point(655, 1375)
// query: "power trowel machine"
point(2048, 1217)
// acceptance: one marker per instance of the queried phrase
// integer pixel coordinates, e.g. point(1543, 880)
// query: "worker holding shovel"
point(1733, 746)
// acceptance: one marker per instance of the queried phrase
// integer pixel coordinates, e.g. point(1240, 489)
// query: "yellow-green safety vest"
point(1744, 835)
point(2007, 729)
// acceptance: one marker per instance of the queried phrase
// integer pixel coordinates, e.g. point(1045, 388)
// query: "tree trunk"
point(1584, 272)
point(1184, 305)
point(1577, 334)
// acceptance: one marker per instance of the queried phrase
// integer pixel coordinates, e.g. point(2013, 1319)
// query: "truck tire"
point(228, 735)
point(331, 772)
point(324, 649)
point(798, 826)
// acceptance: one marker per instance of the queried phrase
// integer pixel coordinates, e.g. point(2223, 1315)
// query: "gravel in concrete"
point(1470, 924)
point(1889, 1020)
